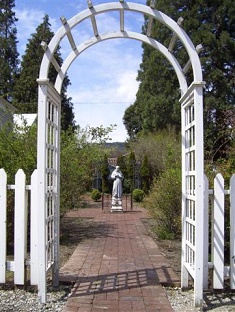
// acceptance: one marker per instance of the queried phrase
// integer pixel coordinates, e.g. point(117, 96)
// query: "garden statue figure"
point(117, 176)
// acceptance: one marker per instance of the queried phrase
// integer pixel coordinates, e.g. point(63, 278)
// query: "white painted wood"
point(42, 184)
point(94, 25)
point(3, 228)
point(218, 222)
point(232, 232)
point(20, 229)
point(119, 34)
point(192, 103)
point(149, 26)
point(34, 231)
point(122, 20)
point(184, 271)
point(206, 234)
point(134, 7)
point(199, 194)
point(48, 185)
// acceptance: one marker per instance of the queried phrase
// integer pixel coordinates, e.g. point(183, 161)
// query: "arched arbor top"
point(120, 7)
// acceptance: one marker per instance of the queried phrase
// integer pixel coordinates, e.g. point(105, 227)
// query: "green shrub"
point(164, 204)
point(138, 195)
point(95, 194)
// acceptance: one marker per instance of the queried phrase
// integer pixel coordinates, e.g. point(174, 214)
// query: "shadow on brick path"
point(120, 268)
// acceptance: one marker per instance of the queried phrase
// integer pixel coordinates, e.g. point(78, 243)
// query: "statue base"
point(116, 205)
point(116, 209)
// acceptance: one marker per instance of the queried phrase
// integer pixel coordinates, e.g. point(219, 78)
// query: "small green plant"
point(138, 195)
point(95, 195)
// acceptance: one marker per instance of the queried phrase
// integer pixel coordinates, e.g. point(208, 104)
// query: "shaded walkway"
point(122, 269)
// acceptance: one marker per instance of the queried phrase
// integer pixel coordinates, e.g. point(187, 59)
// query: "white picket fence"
point(215, 200)
point(21, 202)
point(25, 194)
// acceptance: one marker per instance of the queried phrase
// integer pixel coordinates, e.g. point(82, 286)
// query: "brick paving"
point(120, 269)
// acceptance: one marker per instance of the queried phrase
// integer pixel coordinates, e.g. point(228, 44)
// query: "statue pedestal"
point(116, 205)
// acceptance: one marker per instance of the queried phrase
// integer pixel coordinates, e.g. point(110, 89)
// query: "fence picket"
point(20, 231)
point(18, 265)
point(218, 222)
point(33, 231)
point(3, 227)
point(232, 232)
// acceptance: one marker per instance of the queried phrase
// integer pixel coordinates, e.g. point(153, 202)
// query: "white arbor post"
point(49, 102)
point(193, 232)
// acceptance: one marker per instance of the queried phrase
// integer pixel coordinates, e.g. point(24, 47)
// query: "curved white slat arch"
point(102, 8)
point(118, 34)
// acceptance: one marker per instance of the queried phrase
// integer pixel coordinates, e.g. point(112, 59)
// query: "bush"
point(164, 204)
point(138, 195)
point(95, 195)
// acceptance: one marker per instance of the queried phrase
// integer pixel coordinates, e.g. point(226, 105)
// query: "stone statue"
point(117, 176)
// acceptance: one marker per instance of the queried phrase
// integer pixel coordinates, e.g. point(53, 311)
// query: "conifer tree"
point(105, 174)
point(8, 49)
point(145, 174)
point(122, 163)
point(212, 24)
point(131, 163)
point(26, 90)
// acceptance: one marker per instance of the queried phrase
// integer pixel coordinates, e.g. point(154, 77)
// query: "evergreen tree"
point(105, 174)
point(131, 163)
point(212, 24)
point(26, 90)
point(145, 174)
point(122, 163)
point(8, 50)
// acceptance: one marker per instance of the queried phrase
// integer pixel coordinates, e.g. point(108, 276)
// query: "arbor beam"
point(122, 20)
point(94, 25)
point(68, 33)
point(199, 48)
point(149, 27)
point(53, 60)
point(174, 36)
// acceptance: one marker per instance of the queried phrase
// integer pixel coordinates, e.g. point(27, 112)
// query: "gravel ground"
point(181, 301)
point(25, 301)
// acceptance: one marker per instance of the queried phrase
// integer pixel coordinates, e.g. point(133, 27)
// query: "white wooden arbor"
point(48, 161)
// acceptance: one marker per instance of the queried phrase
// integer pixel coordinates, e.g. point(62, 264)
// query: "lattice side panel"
point(52, 151)
point(190, 186)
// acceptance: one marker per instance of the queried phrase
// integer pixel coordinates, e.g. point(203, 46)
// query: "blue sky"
point(103, 77)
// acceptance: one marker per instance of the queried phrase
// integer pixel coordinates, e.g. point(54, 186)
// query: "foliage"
point(162, 149)
point(105, 174)
point(8, 48)
point(95, 195)
point(122, 163)
point(131, 163)
point(138, 195)
point(145, 174)
point(211, 24)
point(164, 203)
point(18, 150)
point(26, 89)
point(78, 155)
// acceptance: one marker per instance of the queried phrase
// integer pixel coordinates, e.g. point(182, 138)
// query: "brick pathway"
point(121, 269)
